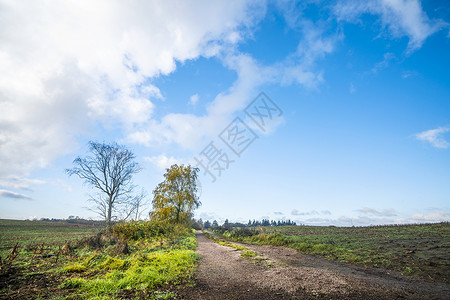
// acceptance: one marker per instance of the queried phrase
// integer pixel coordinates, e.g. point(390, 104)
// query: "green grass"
point(139, 272)
point(414, 250)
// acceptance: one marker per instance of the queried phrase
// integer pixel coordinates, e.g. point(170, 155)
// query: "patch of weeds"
point(237, 247)
point(249, 253)
point(263, 262)
point(223, 243)
point(409, 271)
point(259, 259)
point(72, 283)
point(112, 263)
point(75, 268)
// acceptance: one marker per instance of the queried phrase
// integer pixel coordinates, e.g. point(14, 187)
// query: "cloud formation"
point(19, 183)
point(379, 213)
point(193, 99)
point(400, 17)
point(13, 195)
point(162, 161)
point(295, 212)
point(440, 216)
point(65, 65)
point(387, 58)
point(435, 137)
point(376, 218)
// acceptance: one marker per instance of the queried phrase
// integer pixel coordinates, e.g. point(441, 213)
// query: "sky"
point(321, 112)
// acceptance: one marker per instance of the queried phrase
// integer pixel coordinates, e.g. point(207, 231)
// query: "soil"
point(15, 284)
point(282, 273)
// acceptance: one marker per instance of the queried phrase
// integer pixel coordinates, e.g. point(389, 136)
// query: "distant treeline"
point(72, 220)
point(264, 222)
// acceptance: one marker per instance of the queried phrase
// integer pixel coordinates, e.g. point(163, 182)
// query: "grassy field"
point(30, 233)
point(65, 261)
point(415, 250)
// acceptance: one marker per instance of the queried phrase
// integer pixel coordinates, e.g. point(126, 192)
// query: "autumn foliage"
point(176, 197)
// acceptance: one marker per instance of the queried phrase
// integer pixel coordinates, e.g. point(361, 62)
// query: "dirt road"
point(282, 273)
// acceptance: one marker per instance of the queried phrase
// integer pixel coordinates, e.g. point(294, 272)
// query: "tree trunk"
point(108, 218)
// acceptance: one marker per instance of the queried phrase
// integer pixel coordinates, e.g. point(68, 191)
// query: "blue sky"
point(362, 136)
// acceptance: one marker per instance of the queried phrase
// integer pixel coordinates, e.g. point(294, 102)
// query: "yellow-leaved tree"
point(176, 197)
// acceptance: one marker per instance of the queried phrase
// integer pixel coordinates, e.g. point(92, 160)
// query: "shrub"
point(242, 232)
point(149, 230)
point(236, 233)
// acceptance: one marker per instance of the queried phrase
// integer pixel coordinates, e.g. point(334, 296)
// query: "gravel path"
point(282, 273)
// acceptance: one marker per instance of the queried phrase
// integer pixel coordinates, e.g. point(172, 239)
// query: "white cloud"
point(126, 106)
point(19, 183)
point(408, 74)
point(376, 217)
point(208, 216)
point(379, 213)
point(191, 131)
point(431, 217)
point(387, 58)
point(350, 221)
point(295, 212)
point(162, 161)
point(314, 45)
point(193, 99)
point(13, 195)
point(435, 137)
point(401, 17)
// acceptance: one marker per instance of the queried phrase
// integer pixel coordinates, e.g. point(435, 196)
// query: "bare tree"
point(134, 207)
point(109, 169)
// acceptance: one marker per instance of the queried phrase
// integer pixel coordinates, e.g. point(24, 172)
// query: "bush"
point(147, 230)
point(242, 232)
point(235, 233)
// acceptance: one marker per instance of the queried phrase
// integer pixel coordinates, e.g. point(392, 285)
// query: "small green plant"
point(248, 253)
point(76, 268)
point(237, 247)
